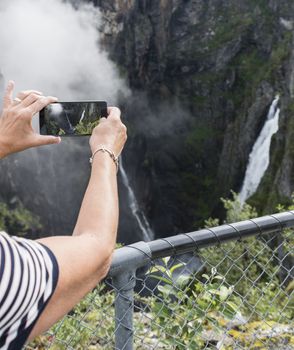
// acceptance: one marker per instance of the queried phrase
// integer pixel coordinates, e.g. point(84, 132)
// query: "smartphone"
point(71, 118)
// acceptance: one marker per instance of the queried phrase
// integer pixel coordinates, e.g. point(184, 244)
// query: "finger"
point(30, 99)
point(46, 140)
point(101, 120)
point(16, 100)
point(7, 100)
point(113, 113)
point(40, 103)
point(23, 94)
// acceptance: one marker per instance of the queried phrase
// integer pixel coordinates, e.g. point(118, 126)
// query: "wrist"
point(103, 149)
point(102, 160)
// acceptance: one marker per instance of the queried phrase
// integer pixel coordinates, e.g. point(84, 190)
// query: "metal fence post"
point(124, 285)
point(125, 263)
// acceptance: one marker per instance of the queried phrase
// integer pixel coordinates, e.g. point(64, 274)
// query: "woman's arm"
point(97, 207)
point(84, 258)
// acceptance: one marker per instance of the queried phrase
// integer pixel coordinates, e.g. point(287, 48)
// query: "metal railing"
point(228, 287)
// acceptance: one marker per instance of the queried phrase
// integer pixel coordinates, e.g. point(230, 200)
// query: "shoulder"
point(27, 251)
point(28, 278)
point(4, 237)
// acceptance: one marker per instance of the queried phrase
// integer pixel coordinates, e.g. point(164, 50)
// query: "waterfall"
point(138, 214)
point(260, 155)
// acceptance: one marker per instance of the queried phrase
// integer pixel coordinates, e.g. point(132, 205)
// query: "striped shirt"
point(28, 278)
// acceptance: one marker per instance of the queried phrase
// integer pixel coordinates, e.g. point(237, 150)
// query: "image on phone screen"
point(71, 118)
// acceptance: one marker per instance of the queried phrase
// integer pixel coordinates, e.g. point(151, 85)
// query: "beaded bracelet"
point(111, 154)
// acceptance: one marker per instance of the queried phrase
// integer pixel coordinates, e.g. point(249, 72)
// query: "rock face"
point(214, 67)
point(203, 75)
point(48, 182)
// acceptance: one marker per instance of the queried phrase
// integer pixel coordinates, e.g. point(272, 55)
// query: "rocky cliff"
point(203, 75)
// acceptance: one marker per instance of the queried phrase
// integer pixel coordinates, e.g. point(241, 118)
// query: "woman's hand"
point(110, 132)
point(16, 131)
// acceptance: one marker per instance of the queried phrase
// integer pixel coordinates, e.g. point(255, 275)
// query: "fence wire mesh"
point(234, 295)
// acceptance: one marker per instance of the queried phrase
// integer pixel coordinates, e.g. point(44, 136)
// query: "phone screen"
point(71, 118)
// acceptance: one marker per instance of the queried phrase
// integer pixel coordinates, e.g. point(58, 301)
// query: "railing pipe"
point(125, 263)
point(188, 242)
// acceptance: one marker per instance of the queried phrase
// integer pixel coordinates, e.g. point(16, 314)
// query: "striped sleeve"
point(28, 278)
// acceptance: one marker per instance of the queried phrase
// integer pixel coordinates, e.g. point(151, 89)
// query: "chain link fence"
point(230, 287)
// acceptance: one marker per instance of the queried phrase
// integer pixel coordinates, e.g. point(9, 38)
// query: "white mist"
point(53, 46)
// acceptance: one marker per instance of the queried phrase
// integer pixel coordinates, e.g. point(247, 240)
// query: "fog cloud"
point(53, 46)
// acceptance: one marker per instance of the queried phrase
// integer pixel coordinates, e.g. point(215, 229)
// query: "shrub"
point(18, 221)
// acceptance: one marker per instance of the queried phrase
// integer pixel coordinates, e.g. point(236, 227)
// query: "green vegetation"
point(251, 266)
point(91, 322)
point(192, 305)
point(199, 155)
point(266, 13)
point(238, 300)
point(252, 67)
point(229, 29)
point(17, 221)
point(235, 211)
point(84, 127)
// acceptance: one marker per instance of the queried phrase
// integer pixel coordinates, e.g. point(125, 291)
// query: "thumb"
point(47, 140)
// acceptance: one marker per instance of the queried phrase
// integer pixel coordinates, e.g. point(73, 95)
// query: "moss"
point(252, 67)
point(228, 29)
point(281, 52)
point(290, 108)
point(255, 335)
point(207, 78)
point(199, 100)
point(267, 198)
point(198, 191)
point(198, 136)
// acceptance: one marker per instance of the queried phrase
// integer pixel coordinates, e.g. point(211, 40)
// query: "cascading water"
point(147, 233)
point(260, 155)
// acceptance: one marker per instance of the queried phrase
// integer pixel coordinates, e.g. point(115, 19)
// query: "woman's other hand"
point(16, 131)
point(110, 132)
